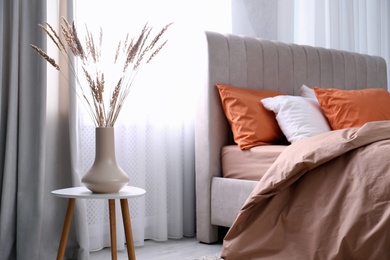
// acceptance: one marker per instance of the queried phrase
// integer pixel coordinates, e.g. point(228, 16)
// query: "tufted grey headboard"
point(261, 64)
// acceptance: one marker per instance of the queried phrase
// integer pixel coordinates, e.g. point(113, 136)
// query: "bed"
point(226, 199)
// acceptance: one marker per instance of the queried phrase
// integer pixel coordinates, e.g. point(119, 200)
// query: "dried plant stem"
point(129, 55)
point(47, 57)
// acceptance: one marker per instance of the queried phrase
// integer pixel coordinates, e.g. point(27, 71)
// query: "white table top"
point(84, 193)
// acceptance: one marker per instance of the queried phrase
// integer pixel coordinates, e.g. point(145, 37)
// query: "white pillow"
point(298, 117)
point(308, 92)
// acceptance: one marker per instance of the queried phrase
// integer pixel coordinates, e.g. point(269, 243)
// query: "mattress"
point(248, 164)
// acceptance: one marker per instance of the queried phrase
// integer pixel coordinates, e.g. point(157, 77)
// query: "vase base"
point(105, 187)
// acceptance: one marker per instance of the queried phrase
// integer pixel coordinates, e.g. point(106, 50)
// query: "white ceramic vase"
point(105, 175)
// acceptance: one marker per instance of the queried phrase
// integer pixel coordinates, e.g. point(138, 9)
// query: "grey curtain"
point(34, 142)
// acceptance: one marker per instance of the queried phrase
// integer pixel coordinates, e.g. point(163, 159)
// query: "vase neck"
point(105, 142)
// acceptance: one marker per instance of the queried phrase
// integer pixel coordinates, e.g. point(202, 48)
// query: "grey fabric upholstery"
point(259, 64)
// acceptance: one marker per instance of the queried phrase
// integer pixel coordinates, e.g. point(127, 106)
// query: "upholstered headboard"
point(261, 64)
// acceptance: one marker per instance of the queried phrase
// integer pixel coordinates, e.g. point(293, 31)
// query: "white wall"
point(257, 18)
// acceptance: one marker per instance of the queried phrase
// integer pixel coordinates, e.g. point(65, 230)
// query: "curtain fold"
point(23, 131)
point(33, 159)
point(359, 26)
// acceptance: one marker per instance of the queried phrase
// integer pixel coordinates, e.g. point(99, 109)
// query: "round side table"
point(83, 193)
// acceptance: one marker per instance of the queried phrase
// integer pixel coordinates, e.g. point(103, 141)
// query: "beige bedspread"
point(325, 197)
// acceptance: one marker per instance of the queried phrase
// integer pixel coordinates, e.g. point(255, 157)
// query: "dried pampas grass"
point(129, 55)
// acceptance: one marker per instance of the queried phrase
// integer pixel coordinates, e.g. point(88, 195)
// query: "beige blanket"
point(326, 197)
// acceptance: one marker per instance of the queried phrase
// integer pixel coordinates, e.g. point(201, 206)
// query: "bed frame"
point(259, 64)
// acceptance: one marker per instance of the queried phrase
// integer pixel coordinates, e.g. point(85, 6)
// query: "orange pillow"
point(353, 108)
point(251, 123)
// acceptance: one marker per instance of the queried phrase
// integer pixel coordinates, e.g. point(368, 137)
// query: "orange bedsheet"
point(249, 164)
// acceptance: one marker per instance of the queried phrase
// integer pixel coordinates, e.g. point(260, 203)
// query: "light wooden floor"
point(181, 249)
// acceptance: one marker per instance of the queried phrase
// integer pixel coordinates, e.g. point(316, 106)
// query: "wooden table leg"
point(65, 229)
point(111, 206)
point(128, 231)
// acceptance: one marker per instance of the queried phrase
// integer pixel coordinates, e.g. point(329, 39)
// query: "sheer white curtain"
point(360, 25)
point(154, 133)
